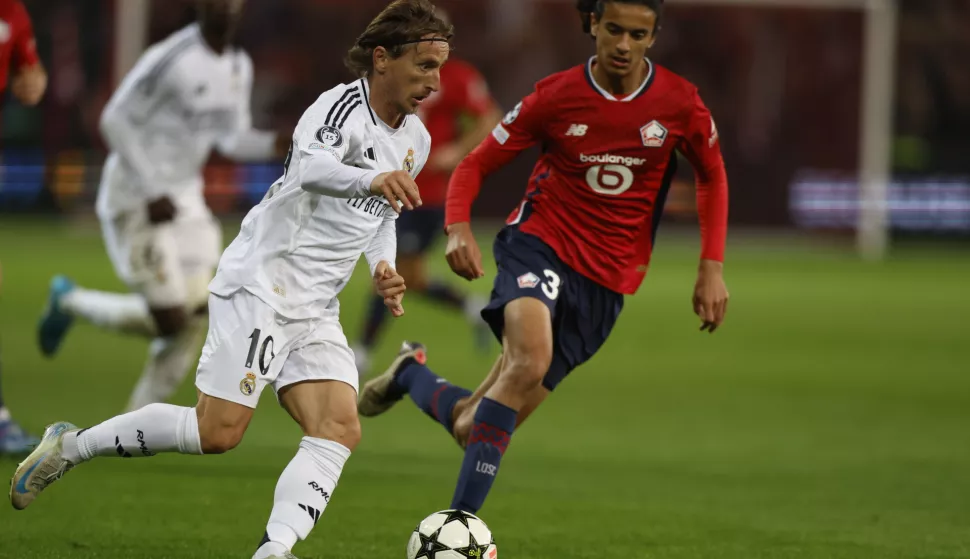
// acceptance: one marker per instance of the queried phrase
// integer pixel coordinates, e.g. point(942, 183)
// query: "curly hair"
point(400, 24)
point(588, 7)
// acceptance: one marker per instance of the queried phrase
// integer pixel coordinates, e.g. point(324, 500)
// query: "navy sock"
point(263, 541)
point(491, 432)
point(376, 315)
point(443, 293)
point(433, 395)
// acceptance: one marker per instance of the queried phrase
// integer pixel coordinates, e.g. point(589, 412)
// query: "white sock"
point(304, 489)
point(145, 432)
point(168, 362)
point(4, 414)
point(473, 308)
point(362, 360)
point(123, 312)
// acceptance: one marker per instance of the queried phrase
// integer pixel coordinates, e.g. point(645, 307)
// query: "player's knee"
point(525, 370)
point(342, 429)
point(220, 441)
point(219, 435)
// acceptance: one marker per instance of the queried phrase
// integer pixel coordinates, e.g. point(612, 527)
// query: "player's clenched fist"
point(395, 186)
point(390, 285)
point(710, 295)
point(462, 252)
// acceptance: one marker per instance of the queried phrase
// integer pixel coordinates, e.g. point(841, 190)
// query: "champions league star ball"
point(452, 534)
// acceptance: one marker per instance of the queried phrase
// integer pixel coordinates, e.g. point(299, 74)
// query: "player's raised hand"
point(462, 252)
point(710, 295)
point(390, 285)
point(161, 210)
point(397, 186)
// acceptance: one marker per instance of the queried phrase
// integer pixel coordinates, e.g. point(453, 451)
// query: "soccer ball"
point(452, 534)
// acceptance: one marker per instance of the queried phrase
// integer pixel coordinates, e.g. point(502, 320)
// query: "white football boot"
point(273, 550)
point(44, 466)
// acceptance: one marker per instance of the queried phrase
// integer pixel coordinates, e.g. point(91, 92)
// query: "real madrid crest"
point(409, 161)
point(248, 385)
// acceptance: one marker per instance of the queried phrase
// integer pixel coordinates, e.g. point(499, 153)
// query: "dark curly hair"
point(588, 7)
point(401, 23)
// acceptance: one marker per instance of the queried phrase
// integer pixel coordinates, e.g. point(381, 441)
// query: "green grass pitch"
point(829, 418)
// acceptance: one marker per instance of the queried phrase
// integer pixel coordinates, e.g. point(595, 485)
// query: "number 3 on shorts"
point(550, 287)
point(267, 347)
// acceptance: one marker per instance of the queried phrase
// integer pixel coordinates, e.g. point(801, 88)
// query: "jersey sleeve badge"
point(330, 136)
point(513, 114)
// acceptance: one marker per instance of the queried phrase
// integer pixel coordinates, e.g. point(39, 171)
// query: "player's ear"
point(381, 57)
point(594, 24)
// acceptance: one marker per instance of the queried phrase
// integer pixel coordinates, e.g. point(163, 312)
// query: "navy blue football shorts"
point(417, 229)
point(583, 311)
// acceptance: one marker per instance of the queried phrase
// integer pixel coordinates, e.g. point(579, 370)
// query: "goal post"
point(876, 108)
point(131, 36)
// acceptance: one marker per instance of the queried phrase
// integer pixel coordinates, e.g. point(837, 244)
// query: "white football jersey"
point(298, 248)
point(179, 101)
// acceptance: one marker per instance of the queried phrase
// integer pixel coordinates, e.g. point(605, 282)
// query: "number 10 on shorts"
point(264, 349)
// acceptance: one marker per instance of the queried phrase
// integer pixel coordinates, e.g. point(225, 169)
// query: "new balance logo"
point(577, 130)
point(121, 450)
point(314, 513)
point(318, 489)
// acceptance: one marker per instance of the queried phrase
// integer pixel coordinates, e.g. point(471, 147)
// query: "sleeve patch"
point(500, 134)
point(513, 114)
point(329, 136)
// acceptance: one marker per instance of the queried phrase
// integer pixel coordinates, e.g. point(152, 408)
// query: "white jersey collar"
point(639, 91)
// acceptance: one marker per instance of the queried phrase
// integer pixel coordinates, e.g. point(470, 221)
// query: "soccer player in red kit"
point(17, 50)
point(581, 238)
point(458, 117)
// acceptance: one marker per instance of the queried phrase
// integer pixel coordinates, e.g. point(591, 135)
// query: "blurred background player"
point(18, 52)
point(580, 240)
point(459, 117)
point(185, 96)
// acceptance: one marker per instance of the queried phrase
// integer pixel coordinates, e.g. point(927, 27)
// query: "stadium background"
point(828, 418)
point(784, 85)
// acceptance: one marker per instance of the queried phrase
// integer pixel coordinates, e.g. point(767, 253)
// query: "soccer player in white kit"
point(186, 95)
point(273, 305)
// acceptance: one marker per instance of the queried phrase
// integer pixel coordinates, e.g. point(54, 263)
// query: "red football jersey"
point(463, 92)
point(597, 192)
point(16, 39)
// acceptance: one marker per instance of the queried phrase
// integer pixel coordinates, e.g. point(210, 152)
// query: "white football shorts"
point(169, 264)
point(250, 345)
